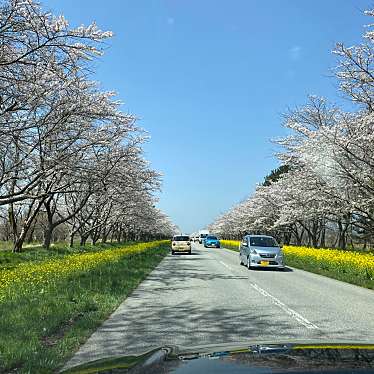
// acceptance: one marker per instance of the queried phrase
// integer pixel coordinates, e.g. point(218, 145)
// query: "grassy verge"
point(348, 266)
point(46, 316)
point(36, 253)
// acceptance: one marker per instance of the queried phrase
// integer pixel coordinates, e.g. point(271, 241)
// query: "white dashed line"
point(298, 317)
point(291, 312)
point(228, 267)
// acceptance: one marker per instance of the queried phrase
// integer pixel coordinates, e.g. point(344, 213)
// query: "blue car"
point(211, 241)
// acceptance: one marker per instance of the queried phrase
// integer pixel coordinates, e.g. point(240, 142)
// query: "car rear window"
point(212, 237)
point(263, 241)
point(181, 238)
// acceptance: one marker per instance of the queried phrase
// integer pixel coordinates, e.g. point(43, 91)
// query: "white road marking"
point(298, 317)
point(228, 267)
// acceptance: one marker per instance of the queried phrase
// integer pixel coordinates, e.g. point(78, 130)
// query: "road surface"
point(208, 298)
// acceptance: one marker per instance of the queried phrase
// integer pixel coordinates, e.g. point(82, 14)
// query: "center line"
point(228, 267)
point(298, 317)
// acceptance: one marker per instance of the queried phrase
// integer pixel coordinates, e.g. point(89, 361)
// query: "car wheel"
point(249, 263)
point(189, 252)
point(172, 252)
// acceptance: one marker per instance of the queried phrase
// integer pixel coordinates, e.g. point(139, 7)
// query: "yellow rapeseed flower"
point(340, 260)
point(29, 275)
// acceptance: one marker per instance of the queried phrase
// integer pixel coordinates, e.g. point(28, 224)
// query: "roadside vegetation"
point(348, 266)
point(322, 194)
point(72, 161)
point(72, 172)
point(37, 253)
point(50, 305)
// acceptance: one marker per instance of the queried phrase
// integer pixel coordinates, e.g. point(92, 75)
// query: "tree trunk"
point(84, 235)
point(20, 239)
point(104, 238)
point(72, 234)
point(315, 233)
point(95, 237)
point(30, 237)
point(13, 222)
point(287, 237)
point(83, 240)
point(315, 241)
point(50, 227)
point(48, 237)
point(342, 243)
point(298, 235)
point(323, 238)
point(17, 247)
point(18, 243)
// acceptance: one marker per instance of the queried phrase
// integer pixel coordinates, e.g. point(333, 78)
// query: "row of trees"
point(68, 156)
point(323, 194)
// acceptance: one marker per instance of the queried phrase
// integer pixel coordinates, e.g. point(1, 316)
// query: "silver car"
point(257, 251)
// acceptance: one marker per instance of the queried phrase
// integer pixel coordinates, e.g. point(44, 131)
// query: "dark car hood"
point(234, 359)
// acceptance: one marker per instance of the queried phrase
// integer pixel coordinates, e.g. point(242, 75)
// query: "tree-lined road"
point(208, 298)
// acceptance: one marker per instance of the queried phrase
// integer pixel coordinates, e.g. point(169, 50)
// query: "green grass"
point(232, 248)
point(39, 331)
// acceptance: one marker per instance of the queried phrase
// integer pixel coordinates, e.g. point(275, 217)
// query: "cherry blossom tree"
point(329, 160)
point(66, 149)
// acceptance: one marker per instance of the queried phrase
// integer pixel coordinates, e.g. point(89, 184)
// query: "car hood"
point(241, 358)
point(266, 249)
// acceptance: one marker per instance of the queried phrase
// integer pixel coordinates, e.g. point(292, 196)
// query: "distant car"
point(181, 243)
point(261, 251)
point(211, 241)
point(202, 238)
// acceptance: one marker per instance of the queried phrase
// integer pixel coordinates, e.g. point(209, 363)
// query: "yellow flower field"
point(346, 265)
point(233, 244)
point(334, 257)
point(29, 275)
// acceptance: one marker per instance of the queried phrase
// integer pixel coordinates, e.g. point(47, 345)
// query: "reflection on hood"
point(269, 358)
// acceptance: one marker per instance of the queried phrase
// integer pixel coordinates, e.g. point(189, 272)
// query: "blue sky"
point(210, 79)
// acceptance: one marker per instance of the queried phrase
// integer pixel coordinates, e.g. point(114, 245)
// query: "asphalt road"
point(208, 298)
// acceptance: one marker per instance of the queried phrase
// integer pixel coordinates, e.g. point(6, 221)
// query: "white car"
point(181, 243)
point(202, 237)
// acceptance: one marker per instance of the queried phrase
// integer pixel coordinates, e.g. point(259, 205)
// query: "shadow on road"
point(184, 324)
point(175, 272)
point(183, 303)
point(285, 270)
